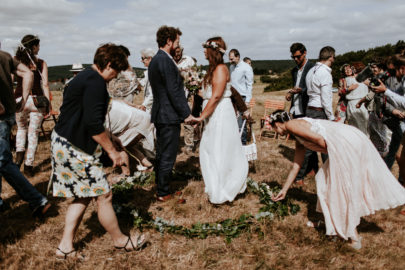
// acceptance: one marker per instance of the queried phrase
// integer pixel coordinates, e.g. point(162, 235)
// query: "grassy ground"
point(286, 244)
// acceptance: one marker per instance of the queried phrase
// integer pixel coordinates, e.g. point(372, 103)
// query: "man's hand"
point(398, 114)
point(288, 96)
point(246, 115)
point(141, 107)
point(295, 90)
point(379, 89)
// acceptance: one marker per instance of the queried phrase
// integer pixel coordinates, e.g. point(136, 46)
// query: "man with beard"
point(299, 100)
point(169, 107)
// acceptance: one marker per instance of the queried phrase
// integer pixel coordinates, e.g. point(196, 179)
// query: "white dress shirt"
point(319, 88)
point(148, 95)
point(395, 99)
point(242, 79)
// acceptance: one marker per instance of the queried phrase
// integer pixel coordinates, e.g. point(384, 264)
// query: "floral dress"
point(74, 172)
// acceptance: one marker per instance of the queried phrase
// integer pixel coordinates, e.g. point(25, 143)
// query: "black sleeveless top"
point(36, 88)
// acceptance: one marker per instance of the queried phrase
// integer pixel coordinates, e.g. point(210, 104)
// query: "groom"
point(169, 107)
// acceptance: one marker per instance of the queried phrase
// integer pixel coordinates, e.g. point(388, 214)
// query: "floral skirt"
point(74, 172)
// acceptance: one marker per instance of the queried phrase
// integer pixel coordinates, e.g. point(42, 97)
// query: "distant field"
point(56, 73)
point(260, 66)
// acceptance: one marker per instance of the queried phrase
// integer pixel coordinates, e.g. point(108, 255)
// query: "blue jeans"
point(11, 172)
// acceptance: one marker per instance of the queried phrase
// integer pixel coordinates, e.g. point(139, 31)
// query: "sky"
point(71, 30)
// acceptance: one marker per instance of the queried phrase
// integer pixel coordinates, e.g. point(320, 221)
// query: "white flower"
point(96, 172)
point(60, 154)
point(135, 213)
point(264, 214)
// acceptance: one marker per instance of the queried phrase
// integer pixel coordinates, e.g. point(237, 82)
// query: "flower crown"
point(279, 117)
point(213, 45)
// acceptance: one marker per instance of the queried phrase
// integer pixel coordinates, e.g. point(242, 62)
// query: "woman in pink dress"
point(352, 183)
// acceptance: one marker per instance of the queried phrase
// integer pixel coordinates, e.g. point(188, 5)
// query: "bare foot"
point(356, 244)
point(72, 254)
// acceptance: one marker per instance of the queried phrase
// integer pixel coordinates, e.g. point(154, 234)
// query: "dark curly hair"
point(215, 57)
point(166, 32)
point(26, 48)
point(297, 47)
point(113, 54)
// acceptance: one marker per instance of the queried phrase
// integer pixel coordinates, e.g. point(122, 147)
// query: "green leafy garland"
point(230, 228)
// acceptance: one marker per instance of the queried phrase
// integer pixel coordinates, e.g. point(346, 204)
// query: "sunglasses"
point(296, 56)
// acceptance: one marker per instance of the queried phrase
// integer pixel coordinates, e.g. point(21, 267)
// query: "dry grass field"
point(26, 243)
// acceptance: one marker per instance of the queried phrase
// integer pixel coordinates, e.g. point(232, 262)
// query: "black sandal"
point(66, 255)
point(139, 243)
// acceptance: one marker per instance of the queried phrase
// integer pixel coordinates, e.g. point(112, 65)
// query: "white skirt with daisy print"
point(74, 172)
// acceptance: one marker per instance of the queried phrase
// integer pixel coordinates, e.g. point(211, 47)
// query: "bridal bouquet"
point(193, 78)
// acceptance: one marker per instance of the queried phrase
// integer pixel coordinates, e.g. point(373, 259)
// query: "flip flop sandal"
point(141, 241)
point(69, 255)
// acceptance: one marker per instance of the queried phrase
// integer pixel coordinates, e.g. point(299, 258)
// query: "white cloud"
point(70, 31)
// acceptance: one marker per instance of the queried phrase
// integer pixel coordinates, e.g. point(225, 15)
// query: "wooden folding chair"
point(270, 105)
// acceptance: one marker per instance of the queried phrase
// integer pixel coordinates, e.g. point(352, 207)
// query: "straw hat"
point(77, 67)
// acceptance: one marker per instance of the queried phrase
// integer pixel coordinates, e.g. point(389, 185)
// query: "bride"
point(353, 182)
point(223, 163)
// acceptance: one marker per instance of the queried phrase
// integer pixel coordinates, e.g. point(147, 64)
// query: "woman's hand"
point(119, 159)
point(280, 196)
point(358, 105)
point(197, 121)
point(246, 115)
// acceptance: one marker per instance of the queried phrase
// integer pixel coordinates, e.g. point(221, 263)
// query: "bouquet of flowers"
point(193, 78)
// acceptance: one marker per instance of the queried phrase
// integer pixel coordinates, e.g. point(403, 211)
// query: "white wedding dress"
point(223, 163)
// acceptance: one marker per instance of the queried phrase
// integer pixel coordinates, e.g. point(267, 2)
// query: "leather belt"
point(316, 109)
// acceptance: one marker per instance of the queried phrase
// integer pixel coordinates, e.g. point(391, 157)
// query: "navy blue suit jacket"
point(169, 101)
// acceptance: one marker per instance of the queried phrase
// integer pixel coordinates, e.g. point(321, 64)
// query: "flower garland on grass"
point(230, 228)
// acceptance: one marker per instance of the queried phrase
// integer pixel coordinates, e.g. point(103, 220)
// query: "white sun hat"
point(77, 67)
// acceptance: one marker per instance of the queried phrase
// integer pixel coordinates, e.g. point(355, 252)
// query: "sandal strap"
point(132, 244)
point(139, 244)
point(65, 254)
point(124, 247)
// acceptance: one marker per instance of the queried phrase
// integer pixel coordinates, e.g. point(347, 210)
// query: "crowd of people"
point(99, 118)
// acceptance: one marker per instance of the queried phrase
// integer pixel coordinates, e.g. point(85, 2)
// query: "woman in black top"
point(76, 148)
point(29, 120)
